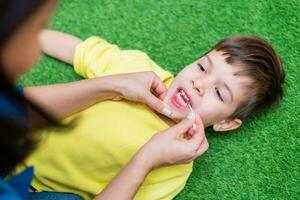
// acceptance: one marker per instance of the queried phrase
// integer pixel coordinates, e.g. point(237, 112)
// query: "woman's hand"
point(165, 148)
point(174, 146)
point(145, 87)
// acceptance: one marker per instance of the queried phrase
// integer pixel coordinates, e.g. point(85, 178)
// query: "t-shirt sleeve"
point(92, 57)
point(96, 57)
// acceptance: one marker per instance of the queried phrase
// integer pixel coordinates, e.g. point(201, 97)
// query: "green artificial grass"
point(260, 160)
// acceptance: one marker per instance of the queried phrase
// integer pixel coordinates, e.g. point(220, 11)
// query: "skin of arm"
point(62, 100)
point(59, 45)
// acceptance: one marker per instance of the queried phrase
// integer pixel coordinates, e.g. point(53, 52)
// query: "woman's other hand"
point(176, 145)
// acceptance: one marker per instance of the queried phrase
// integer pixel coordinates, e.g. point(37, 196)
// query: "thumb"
point(153, 102)
point(157, 104)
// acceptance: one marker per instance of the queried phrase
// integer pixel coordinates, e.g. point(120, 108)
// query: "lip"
point(177, 103)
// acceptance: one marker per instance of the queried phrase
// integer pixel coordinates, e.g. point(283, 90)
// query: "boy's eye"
point(219, 94)
point(201, 67)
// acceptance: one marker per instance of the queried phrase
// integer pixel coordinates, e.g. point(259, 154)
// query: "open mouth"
point(184, 97)
point(181, 99)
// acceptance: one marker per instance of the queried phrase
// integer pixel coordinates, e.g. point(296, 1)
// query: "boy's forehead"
point(217, 58)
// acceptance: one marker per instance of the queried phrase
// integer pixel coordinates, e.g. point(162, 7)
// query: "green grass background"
point(258, 161)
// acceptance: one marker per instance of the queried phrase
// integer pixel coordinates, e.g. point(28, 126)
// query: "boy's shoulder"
point(97, 57)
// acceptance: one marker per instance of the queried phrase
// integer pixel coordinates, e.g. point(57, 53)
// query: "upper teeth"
point(184, 97)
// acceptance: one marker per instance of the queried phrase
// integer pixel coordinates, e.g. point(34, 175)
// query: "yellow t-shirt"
point(85, 159)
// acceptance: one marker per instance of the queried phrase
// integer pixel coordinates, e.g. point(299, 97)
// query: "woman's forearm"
point(125, 185)
point(65, 99)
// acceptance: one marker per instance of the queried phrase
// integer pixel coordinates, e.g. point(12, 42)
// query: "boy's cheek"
point(205, 115)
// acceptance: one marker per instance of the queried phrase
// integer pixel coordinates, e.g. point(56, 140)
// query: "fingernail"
point(166, 111)
point(194, 127)
point(191, 115)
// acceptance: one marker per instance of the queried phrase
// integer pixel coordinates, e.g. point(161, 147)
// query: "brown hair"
point(262, 65)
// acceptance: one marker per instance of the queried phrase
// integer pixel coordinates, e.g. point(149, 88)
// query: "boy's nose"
point(199, 86)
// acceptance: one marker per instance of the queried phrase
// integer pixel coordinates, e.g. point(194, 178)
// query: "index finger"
point(158, 87)
point(201, 150)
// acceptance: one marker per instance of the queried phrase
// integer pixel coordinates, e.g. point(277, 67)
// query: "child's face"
point(212, 88)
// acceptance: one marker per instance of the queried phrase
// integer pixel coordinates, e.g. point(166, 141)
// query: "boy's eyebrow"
point(230, 92)
point(209, 59)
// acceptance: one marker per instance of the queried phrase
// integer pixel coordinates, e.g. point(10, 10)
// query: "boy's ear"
point(227, 125)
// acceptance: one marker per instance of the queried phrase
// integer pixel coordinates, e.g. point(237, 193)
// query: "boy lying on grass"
point(237, 78)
